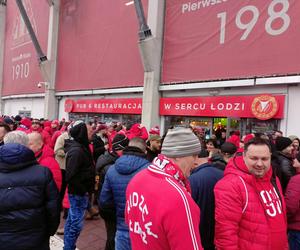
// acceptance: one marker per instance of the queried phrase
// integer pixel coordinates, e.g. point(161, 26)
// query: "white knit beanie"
point(180, 142)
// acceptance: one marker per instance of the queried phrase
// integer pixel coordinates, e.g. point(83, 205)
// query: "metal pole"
point(144, 31)
point(2, 39)
point(41, 55)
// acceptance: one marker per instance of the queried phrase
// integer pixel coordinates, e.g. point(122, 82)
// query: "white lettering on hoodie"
point(272, 202)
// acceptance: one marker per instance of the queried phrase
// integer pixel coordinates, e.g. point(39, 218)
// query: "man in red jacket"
point(37, 127)
point(45, 156)
point(160, 211)
point(250, 208)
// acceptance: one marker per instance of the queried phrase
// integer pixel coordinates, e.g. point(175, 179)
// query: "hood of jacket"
point(14, 157)
point(130, 162)
point(45, 152)
point(79, 134)
point(106, 159)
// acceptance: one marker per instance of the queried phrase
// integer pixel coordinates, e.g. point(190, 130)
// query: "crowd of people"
point(176, 191)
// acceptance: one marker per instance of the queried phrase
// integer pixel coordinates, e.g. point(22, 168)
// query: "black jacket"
point(151, 154)
point(103, 164)
point(80, 172)
point(283, 168)
point(99, 147)
point(29, 201)
point(203, 180)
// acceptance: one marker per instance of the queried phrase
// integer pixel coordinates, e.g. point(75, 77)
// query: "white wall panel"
point(292, 125)
point(34, 105)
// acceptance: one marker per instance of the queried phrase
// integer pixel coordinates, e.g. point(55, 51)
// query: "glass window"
point(106, 118)
point(252, 125)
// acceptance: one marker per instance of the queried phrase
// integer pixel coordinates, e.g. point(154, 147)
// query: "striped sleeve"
point(183, 220)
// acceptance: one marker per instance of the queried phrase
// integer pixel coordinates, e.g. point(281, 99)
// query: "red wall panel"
point(21, 71)
point(223, 39)
point(98, 45)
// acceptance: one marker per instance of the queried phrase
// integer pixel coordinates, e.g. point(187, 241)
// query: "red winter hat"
point(248, 137)
point(55, 122)
point(234, 139)
point(154, 131)
point(237, 132)
point(26, 122)
point(101, 127)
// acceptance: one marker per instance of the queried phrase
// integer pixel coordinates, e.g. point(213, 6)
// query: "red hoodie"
point(160, 211)
point(250, 211)
point(45, 157)
point(54, 138)
point(292, 195)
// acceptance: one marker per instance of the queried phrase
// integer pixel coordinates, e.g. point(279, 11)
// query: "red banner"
point(113, 106)
point(262, 107)
point(21, 69)
point(98, 45)
point(225, 39)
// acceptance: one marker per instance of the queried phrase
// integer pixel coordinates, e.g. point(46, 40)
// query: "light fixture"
point(144, 30)
point(41, 84)
point(129, 3)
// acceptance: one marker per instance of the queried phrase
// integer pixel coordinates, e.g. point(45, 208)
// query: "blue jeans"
point(294, 240)
point(122, 240)
point(74, 223)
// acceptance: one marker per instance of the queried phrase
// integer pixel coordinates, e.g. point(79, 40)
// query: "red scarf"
point(172, 169)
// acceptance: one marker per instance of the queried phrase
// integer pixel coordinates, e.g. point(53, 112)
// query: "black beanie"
point(119, 142)
point(282, 143)
point(228, 148)
point(203, 153)
point(18, 118)
point(78, 132)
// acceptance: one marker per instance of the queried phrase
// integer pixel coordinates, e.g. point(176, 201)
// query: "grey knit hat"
point(180, 142)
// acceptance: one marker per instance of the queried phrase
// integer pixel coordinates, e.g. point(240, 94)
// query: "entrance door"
point(225, 125)
point(204, 125)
